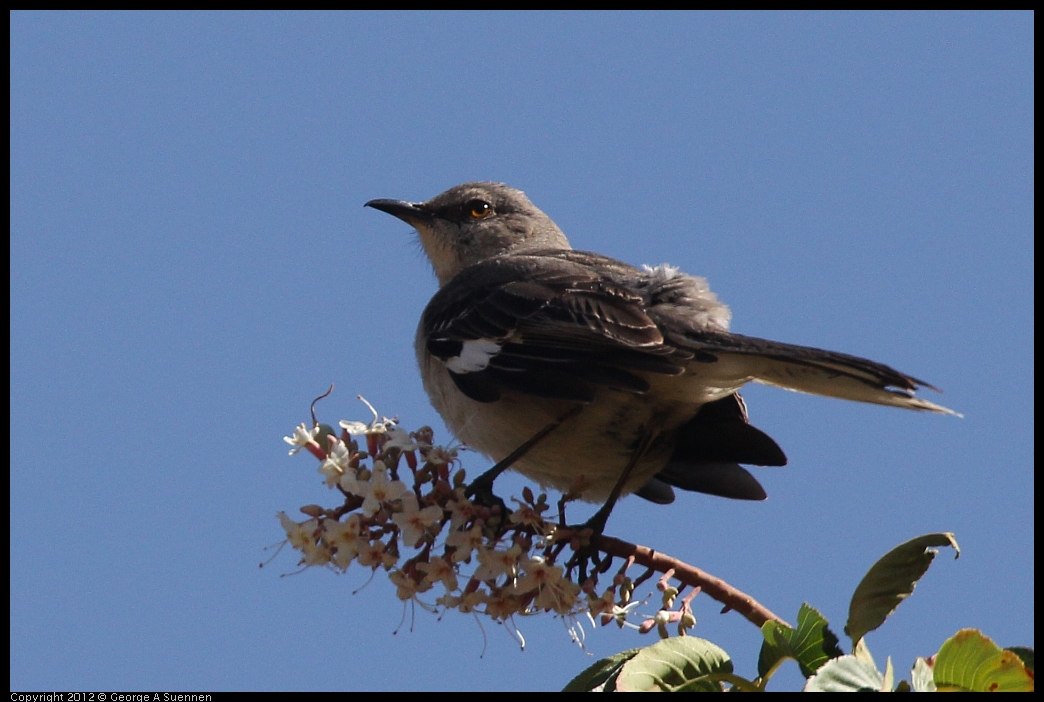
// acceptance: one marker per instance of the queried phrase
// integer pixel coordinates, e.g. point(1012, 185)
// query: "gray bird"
point(562, 363)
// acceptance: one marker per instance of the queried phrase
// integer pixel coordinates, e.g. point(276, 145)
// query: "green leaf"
point(890, 581)
point(971, 661)
point(812, 644)
point(673, 663)
point(846, 674)
point(600, 673)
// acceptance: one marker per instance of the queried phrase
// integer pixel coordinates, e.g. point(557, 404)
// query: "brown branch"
point(717, 588)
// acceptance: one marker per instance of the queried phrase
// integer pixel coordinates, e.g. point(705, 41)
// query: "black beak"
point(409, 212)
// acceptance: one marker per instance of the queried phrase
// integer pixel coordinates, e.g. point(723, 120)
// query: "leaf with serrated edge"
point(812, 644)
point(598, 673)
point(673, 663)
point(890, 581)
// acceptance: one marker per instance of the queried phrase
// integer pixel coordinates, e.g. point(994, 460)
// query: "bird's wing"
point(544, 325)
point(560, 323)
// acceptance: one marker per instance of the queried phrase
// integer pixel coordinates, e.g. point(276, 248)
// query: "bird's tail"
point(815, 371)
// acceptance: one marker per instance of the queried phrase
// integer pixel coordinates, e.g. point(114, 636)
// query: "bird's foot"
point(480, 491)
point(585, 553)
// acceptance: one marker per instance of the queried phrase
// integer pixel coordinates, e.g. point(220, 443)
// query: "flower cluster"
point(406, 510)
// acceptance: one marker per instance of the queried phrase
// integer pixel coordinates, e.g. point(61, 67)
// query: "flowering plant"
point(406, 509)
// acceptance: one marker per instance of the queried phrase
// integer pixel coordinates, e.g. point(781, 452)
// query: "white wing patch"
point(474, 356)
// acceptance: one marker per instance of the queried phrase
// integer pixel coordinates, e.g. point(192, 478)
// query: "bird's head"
point(472, 222)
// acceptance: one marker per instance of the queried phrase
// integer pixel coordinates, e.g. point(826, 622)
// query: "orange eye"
point(479, 209)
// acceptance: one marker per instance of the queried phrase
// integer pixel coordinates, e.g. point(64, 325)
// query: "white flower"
point(375, 491)
point(465, 542)
point(406, 588)
point(346, 538)
point(301, 536)
point(560, 596)
point(493, 563)
point(442, 455)
point(609, 611)
point(438, 569)
point(537, 574)
point(400, 439)
point(465, 603)
point(304, 537)
point(554, 591)
point(336, 463)
point(462, 511)
point(503, 605)
point(374, 427)
point(301, 438)
point(414, 522)
point(377, 553)
point(528, 516)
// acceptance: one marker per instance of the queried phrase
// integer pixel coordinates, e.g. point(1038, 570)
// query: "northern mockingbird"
point(581, 365)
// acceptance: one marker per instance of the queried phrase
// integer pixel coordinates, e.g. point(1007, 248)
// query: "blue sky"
point(191, 264)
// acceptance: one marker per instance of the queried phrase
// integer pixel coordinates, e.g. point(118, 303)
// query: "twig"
point(717, 588)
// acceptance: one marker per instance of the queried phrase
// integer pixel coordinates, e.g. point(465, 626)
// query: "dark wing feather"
point(708, 453)
point(721, 432)
point(563, 329)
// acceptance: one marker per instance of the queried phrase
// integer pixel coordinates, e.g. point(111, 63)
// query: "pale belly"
point(597, 443)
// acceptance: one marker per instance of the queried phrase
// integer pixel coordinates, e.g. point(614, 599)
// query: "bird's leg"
point(482, 486)
point(597, 522)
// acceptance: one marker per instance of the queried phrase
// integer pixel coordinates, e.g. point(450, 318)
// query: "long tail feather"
point(814, 371)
